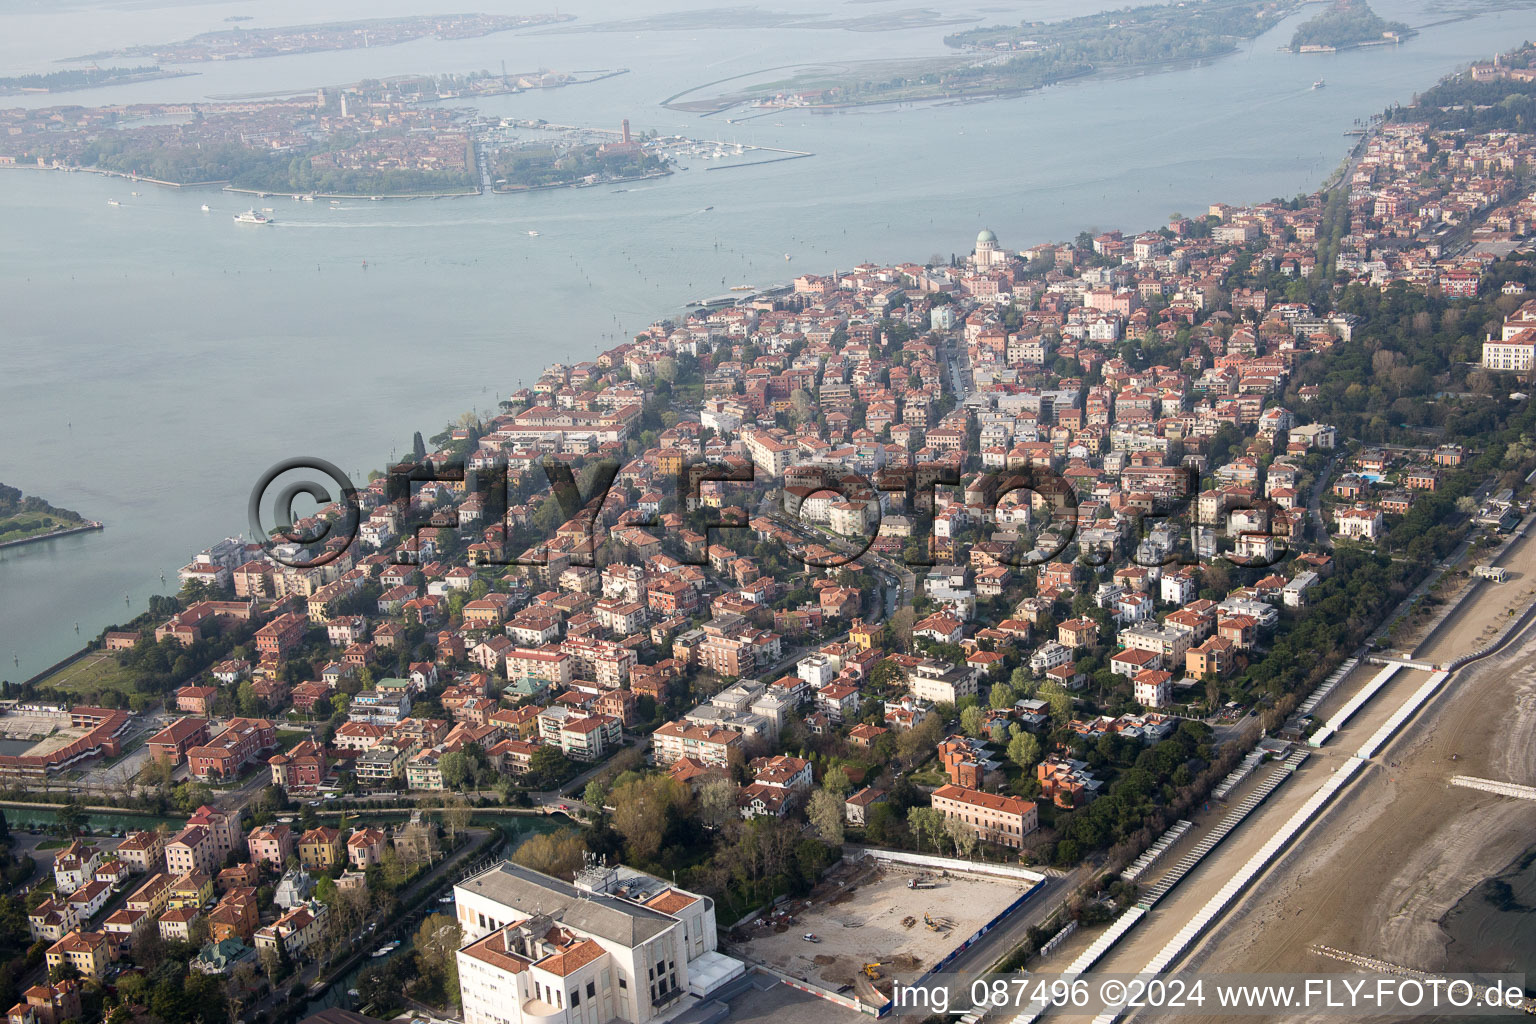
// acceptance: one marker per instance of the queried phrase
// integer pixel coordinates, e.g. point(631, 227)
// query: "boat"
point(533, 234)
point(376, 198)
point(307, 197)
point(134, 193)
point(252, 217)
point(335, 202)
point(1319, 84)
point(113, 202)
point(386, 949)
point(205, 208)
point(708, 208)
point(786, 257)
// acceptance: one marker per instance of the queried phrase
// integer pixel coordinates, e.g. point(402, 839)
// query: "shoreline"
point(106, 173)
point(367, 197)
point(90, 526)
point(496, 190)
point(112, 84)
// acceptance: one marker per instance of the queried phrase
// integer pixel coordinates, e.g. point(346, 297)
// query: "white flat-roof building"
point(618, 944)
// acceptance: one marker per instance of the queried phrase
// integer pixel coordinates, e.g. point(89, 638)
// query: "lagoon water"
point(155, 360)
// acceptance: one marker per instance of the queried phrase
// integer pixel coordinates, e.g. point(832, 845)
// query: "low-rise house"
point(222, 956)
point(856, 808)
point(293, 889)
point(296, 930)
point(73, 866)
point(48, 1004)
point(365, 847)
point(52, 919)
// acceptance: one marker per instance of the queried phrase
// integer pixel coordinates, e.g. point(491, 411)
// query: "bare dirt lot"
point(878, 920)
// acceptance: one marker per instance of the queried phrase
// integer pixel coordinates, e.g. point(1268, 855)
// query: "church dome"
point(985, 237)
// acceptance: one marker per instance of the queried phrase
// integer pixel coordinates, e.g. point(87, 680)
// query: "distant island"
point(1009, 59)
point(84, 78)
point(240, 43)
point(1348, 23)
point(27, 518)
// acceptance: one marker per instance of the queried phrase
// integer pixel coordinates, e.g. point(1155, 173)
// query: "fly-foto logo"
point(829, 515)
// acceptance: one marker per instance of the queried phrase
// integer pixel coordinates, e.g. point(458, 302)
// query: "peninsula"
point(84, 78)
point(241, 43)
point(1008, 59)
point(25, 518)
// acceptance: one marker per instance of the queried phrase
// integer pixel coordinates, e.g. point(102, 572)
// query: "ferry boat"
point(252, 217)
point(1319, 84)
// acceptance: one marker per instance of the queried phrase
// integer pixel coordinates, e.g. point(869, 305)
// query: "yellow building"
point(87, 952)
point(864, 635)
point(194, 890)
point(320, 849)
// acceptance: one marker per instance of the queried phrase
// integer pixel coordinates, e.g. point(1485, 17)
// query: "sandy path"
point(1402, 846)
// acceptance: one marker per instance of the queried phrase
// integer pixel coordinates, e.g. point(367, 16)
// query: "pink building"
point(271, 845)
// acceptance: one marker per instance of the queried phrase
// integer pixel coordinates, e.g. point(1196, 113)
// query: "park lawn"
point(93, 673)
point(929, 774)
point(31, 524)
point(288, 737)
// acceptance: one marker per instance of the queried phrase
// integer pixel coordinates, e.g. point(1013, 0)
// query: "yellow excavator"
point(873, 971)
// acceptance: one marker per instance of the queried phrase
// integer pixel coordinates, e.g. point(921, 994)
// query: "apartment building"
point(1004, 820)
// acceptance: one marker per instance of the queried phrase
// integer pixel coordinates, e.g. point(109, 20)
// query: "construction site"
point(869, 923)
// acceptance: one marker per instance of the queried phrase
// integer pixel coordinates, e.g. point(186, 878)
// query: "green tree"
point(826, 816)
point(716, 802)
point(1023, 749)
point(556, 853)
point(835, 781)
point(642, 812)
point(436, 944)
point(454, 767)
point(250, 704)
point(72, 817)
point(548, 765)
point(1059, 699)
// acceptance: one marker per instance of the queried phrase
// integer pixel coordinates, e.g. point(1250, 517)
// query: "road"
point(1315, 504)
point(440, 876)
